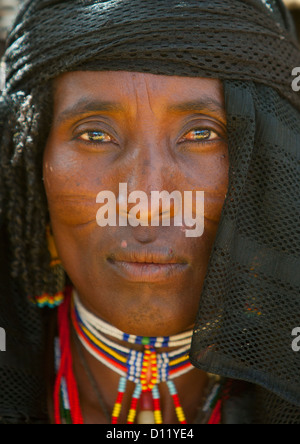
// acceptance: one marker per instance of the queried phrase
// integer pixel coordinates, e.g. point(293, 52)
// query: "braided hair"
point(22, 193)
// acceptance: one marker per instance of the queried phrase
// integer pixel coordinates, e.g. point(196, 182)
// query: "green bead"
point(145, 341)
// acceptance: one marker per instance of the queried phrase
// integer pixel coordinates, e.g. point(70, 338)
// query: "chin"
point(155, 324)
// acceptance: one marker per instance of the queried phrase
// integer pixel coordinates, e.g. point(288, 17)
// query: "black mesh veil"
point(250, 302)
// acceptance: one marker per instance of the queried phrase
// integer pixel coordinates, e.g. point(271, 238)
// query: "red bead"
point(156, 403)
point(134, 402)
point(176, 401)
point(119, 398)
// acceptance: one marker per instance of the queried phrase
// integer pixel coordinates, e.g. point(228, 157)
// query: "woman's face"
point(152, 133)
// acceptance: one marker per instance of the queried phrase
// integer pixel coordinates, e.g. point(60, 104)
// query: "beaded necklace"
point(147, 368)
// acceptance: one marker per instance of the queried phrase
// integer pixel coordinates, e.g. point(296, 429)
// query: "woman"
point(100, 95)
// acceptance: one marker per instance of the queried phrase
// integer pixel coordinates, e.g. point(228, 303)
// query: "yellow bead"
point(131, 415)
point(180, 414)
point(158, 417)
point(116, 410)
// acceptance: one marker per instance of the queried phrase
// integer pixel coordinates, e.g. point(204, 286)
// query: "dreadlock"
point(22, 194)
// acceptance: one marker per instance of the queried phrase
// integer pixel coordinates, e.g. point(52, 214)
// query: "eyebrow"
point(87, 105)
point(204, 104)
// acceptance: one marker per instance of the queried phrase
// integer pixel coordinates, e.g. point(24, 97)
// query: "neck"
point(151, 363)
point(88, 325)
point(135, 379)
point(191, 388)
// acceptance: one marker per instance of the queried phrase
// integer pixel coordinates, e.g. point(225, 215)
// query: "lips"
point(151, 265)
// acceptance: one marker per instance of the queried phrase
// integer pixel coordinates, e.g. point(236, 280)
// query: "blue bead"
point(166, 341)
point(155, 393)
point(172, 388)
point(122, 384)
point(125, 337)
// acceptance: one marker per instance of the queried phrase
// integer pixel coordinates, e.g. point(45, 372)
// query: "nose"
point(154, 208)
point(150, 183)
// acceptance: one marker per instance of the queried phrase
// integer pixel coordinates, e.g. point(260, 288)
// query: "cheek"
point(217, 188)
point(210, 174)
point(71, 185)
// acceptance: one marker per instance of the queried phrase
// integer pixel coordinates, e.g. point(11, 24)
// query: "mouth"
point(148, 266)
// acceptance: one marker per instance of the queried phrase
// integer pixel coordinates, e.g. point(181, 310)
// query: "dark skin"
point(154, 133)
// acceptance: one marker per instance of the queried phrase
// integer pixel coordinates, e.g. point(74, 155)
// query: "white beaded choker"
point(98, 326)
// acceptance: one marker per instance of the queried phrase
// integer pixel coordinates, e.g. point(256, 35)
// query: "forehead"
point(128, 89)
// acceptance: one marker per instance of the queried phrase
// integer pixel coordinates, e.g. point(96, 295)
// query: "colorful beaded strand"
point(134, 401)
point(149, 367)
point(179, 410)
point(149, 380)
point(216, 416)
point(118, 404)
point(47, 300)
point(65, 369)
point(157, 409)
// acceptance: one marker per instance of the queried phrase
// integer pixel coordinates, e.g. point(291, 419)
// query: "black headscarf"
point(250, 302)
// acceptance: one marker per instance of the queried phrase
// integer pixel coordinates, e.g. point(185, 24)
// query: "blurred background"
point(294, 6)
point(8, 9)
